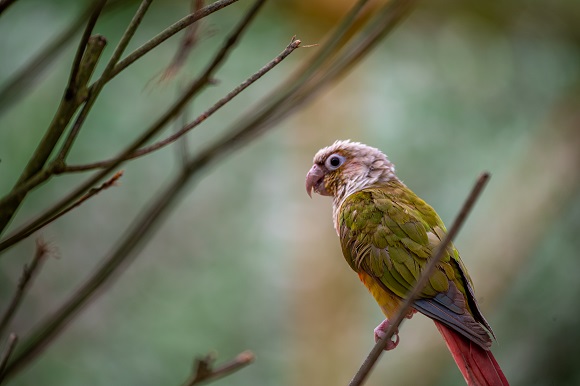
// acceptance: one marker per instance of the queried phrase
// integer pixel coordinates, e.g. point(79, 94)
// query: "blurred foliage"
point(247, 262)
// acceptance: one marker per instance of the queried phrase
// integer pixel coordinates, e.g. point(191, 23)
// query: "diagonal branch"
point(72, 87)
point(201, 118)
point(196, 86)
point(169, 32)
point(188, 42)
point(97, 87)
point(68, 105)
point(24, 233)
point(405, 307)
point(205, 372)
point(28, 273)
point(12, 340)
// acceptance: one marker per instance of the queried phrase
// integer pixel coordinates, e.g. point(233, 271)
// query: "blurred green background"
point(246, 260)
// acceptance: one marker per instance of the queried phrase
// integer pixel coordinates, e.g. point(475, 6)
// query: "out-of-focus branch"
point(196, 86)
point(28, 273)
point(190, 39)
point(4, 4)
point(7, 352)
point(169, 32)
point(204, 370)
point(201, 118)
point(27, 231)
point(426, 273)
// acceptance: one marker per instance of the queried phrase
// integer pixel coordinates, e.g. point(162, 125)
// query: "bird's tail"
point(478, 366)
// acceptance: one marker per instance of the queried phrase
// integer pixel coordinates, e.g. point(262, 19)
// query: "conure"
point(387, 234)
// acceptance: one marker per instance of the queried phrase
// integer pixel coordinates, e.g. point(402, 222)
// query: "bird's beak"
point(314, 180)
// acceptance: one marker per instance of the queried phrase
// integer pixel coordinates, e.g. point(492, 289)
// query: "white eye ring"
point(334, 161)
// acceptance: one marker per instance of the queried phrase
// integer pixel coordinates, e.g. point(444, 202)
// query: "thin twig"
point(12, 340)
point(28, 73)
point(204, 371)
point(190, 38)
point(426, 273)
point(169, 32)
point(28, 273)
point(201, 118)
point(24, 233)
point(96, 88)
point(72, 87)
point(171, 113)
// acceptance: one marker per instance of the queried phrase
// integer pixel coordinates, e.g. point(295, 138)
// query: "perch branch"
point(204, 370)
point(379, 347)
point(28, 273)
point(240, 134)
point(201, 118)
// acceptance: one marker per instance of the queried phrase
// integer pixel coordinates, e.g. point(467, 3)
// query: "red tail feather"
point(478, 366)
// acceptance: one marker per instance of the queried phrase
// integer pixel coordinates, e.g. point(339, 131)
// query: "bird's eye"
point(334, 161)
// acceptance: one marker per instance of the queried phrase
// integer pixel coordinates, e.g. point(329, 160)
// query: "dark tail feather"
point(478, 366)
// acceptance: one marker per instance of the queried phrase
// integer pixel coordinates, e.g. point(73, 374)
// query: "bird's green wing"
point(389, 233)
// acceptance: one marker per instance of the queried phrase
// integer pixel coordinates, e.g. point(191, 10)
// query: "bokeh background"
point(247, 261)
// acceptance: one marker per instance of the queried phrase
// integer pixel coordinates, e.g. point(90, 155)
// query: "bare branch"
point(169, 32)
point(100, 83)
point(28, 273)
point(72, 87)
point(204, 371)
point(4, 4)
point(196, 86)
point(426, 273)
point(28, 230)
point(12, 340)
point(26, 76)
point(201, 118)
point(189, 41)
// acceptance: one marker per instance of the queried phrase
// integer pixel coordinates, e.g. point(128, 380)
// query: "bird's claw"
point(381, 332)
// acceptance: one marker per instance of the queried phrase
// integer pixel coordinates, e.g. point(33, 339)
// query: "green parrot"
point(387, 234)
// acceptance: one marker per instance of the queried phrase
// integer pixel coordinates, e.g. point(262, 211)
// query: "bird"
point(387, 234)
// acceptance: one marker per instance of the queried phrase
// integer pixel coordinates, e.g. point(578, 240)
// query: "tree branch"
point(27, 231)
point(196, 86)
point(189, 40)
point(201, 118)
point(204, 371)
point(426, 273)
point(28, 273)
point(100, 83)
point(169, 32)
point(68, 105)
point(12, 340)
point(72, 87)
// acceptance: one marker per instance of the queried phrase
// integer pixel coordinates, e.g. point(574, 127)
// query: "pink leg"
point(380, 332)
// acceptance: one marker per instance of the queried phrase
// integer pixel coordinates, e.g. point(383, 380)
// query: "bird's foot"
point(381, 332)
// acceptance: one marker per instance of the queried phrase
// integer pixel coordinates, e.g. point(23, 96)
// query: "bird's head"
point(346, 167)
